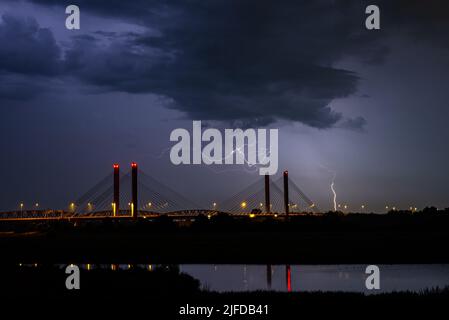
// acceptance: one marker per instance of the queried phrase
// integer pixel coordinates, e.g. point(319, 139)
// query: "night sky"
point(369, 107)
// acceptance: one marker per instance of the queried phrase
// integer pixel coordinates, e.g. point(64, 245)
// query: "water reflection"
point(269, 275)
point(316, 277)
point(288, 274)
point(289, 278)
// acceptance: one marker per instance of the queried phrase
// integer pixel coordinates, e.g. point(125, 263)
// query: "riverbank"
point(301, 240)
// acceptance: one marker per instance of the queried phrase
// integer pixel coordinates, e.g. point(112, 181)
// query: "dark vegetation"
point(396, 237)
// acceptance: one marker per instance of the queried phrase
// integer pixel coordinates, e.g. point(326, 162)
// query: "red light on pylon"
point(116, 166)
point(134, 165)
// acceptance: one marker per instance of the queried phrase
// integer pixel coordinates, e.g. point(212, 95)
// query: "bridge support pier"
point(267, 193)
point(134, 205)
point(116, 201)
point(286, 193)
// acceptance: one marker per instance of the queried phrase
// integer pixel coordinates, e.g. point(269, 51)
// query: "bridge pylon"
point(116, 199)
point(134, 203)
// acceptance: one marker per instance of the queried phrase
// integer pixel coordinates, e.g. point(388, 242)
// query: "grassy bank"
point(332, 239)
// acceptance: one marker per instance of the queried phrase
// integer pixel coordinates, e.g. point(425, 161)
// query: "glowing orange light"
point(114, 209)
point(116, 166)
point(134, 165)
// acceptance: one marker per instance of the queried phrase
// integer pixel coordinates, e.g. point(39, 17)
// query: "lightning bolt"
point(333, 191)
point(334, 175)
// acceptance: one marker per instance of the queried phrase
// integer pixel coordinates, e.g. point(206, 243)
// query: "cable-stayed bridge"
point(135, 194)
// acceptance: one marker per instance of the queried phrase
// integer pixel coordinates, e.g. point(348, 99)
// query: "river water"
point(317, 277)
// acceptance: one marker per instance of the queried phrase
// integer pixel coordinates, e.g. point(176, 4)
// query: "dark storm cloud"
point(29, 55)
point(118, 66)
point(19, 87)
point(26, 48)
point(357, 123)
point(230, 60)
point(235, 61)
point(142, 10)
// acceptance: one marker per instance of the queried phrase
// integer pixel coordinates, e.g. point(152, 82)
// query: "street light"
point(114, 209)
point(243, 204)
